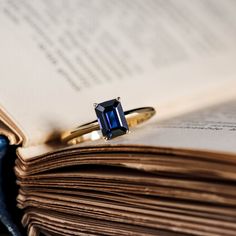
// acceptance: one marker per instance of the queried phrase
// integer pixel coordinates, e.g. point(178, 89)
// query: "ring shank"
point(85, 132)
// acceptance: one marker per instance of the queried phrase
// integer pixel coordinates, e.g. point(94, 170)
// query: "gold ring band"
point(90, 131)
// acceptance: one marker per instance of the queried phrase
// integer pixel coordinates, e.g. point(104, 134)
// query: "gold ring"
point(111, 122)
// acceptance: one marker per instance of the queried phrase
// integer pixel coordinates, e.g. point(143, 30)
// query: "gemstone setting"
point(111, 118)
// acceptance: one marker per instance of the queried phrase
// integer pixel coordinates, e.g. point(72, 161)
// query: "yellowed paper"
point(55, 66)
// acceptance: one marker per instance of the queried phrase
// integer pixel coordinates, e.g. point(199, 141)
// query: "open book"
point(173, 175)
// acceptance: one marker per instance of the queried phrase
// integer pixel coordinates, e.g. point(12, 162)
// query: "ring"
point(111, 122)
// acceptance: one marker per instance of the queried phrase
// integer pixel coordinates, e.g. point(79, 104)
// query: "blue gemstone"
point(111, 118)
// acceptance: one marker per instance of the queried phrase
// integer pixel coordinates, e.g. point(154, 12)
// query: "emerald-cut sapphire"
point(111, 118)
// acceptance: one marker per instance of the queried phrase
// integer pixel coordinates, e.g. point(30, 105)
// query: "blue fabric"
point(5, 216)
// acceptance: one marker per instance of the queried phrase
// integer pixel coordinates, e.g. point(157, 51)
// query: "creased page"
point(59, 57)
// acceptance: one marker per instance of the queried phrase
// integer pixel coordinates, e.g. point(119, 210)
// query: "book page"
point(59, 57)
point(10, 134)
point(212, 129)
